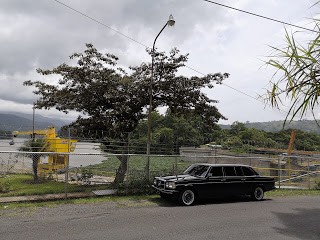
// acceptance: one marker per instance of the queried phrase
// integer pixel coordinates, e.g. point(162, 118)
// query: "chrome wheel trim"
point(188, 197)
point(258, 193)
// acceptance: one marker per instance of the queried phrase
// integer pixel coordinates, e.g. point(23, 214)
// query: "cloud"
point(42, 34)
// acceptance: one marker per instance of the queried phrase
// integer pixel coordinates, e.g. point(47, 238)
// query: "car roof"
point(222, 164)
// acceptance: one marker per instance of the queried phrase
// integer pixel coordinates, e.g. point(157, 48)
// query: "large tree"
point(114, 101)
point(297, 74)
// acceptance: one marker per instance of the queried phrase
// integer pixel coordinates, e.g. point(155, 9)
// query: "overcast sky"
point(43, 34)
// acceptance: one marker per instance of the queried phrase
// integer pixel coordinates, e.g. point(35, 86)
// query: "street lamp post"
point(170, 22)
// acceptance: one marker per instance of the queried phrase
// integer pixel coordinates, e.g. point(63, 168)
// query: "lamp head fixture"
point(171, 21)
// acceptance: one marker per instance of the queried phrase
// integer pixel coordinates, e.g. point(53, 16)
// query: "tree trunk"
point(122, 170)
point(35, 159)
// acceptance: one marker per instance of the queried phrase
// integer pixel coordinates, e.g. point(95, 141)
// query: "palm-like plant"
point(299, 69)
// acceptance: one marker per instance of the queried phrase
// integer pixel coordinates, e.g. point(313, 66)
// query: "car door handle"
point(223, 180)
point(243, 179)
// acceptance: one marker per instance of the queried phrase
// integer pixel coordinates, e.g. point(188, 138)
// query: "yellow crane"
point(53, 144)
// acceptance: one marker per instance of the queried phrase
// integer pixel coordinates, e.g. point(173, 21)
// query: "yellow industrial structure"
point(53, 144)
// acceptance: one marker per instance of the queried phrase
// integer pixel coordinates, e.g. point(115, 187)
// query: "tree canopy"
point(114, 100)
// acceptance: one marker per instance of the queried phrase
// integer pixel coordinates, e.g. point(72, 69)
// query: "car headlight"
point(170, 185)
point(155, 182)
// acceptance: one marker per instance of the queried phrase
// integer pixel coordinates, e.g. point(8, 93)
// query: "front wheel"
point(258, 194)
point(187, 197)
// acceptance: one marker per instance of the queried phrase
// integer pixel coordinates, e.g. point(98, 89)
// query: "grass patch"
point(139, 200)
point(118, 201)
point(292, 193)
point(158, 165)
point(22, 185)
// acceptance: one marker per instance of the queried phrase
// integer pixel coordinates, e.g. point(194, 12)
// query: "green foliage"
point(5, 185)
point(170, 133)
point(119, 98)
point(233, 141)
point(5, 134)
point(135, 186)
point(237, 127)
point(243, 139)
point(33, 145)
point(276, 126)
point(297, 74)
point(85, 175)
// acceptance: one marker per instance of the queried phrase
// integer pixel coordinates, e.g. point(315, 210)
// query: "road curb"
point(46, 197)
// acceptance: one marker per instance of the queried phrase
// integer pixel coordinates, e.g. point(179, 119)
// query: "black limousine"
point(203, 180)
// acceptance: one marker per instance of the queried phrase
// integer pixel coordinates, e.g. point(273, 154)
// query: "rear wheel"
point(187, 197)
point(258, 194)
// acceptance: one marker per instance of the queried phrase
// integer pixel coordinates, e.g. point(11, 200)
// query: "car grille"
point(160, 184)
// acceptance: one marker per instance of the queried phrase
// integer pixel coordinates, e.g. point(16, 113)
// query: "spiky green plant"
point(298, 66)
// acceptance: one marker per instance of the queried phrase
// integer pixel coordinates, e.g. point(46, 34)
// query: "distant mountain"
point(275, 126)
point(14, 121)
point(23, 122)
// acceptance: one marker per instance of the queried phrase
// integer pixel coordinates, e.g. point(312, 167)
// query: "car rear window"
point(248, 171)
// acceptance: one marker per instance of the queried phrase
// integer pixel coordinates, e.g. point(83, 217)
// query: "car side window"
point(248, 171)
point(238, 171)
point(216, 172)
point(229, 171)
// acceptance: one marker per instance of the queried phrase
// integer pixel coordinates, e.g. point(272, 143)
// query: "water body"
point(89, 153)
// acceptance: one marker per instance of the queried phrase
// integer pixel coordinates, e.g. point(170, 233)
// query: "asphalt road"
point(276, 218)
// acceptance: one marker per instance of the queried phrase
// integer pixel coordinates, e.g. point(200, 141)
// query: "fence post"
point(309, 187)
point(279, 172)
point(176, 165)
point(67, 168)
point(8, 166)
point(66, 177)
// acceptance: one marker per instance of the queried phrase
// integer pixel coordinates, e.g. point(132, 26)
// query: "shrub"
point(5, 185)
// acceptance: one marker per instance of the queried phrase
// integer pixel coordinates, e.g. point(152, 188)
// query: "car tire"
point(187, 197)
point(257, 194)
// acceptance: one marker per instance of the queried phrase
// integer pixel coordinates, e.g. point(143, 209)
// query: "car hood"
point(178, 177)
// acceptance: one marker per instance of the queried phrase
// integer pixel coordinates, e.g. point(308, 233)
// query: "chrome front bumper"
point(166, 191)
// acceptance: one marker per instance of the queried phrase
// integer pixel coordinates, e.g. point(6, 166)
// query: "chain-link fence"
point(88, 173)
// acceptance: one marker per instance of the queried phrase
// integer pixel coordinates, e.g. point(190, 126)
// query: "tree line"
point(171, 132)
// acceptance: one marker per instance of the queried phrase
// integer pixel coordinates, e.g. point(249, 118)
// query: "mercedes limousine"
point(213, 181)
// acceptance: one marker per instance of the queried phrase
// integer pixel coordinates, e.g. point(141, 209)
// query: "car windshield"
point(197, 170)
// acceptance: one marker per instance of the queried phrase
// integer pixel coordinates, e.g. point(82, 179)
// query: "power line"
point(226, 85)
point(260, 16)
point(101, 23)
point(141, 44)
